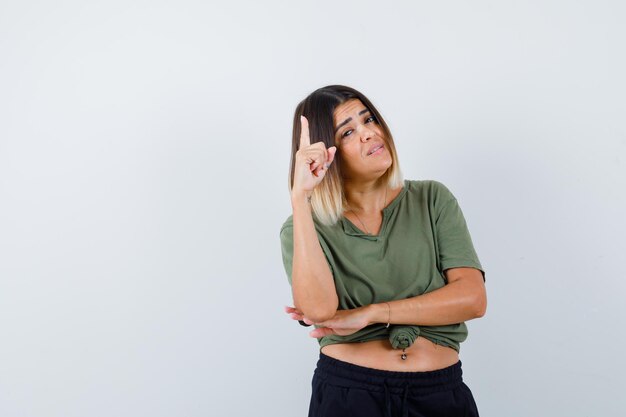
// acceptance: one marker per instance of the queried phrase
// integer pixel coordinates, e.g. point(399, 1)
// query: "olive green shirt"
point(423, 233)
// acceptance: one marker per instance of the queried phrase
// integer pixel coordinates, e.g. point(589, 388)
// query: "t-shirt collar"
point(351, 230)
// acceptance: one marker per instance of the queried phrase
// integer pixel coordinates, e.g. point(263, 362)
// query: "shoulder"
point(325, 234)
point(431, 190)
point(288, 225)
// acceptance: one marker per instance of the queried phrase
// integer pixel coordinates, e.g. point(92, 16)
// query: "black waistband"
point(350, 375)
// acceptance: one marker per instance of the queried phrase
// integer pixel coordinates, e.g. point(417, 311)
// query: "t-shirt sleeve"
point(286, 244)
point(453, 237)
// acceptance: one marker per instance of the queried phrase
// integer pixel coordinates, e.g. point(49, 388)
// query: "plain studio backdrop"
point(144, 153)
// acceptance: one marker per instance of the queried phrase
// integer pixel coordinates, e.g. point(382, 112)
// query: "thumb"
point(331, 154)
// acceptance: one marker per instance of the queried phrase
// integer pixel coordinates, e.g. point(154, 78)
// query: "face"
point(360, 141)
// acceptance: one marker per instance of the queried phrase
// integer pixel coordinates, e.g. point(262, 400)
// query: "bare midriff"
point(423, 355)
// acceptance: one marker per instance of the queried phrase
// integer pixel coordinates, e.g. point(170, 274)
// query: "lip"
point(375, 148)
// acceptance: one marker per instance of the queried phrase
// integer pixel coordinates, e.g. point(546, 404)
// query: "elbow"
point(319, 316)
point(319, 312)
point(480, 307)
point(480, 313)
point(479, 300)
point(317, 304)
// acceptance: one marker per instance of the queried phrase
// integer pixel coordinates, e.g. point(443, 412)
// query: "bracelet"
point(389, 315)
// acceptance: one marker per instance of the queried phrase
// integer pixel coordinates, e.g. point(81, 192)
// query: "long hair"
point(328, 198)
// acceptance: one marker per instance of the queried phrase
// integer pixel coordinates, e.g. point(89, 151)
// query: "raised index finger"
point(305, 140)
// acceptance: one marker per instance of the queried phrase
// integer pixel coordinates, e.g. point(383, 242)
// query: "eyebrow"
point(348, 120)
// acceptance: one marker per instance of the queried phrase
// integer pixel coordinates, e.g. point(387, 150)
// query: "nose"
point(366, 133)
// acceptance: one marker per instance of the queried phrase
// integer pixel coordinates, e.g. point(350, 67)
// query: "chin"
point(388, 164)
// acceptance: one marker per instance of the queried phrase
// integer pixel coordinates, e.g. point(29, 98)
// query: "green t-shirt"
point(423, 233)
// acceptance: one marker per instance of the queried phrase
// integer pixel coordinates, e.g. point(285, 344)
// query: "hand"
point(312, 161)
point(343, 323)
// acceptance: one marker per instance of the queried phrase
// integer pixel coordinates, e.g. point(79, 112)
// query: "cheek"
point(346, 162)
point(349, 155)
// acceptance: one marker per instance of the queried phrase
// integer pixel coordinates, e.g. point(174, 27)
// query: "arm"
point(313, 286)
point(463, 298)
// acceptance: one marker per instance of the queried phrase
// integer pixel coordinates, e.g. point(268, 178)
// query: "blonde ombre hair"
point(328, 199)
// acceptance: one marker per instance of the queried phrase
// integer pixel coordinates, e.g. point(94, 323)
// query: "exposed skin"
point(311, 161)
point(355, 139)
point(460, 300)
point(313, 287)
point(463, 297)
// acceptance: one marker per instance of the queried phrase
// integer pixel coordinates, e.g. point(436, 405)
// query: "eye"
point(370, 119)
point(346, 133)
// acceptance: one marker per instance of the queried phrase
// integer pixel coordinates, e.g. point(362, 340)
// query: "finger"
point(331, 155)
point(290, 309)
point(321, 332)
point(321, 170)
point(318, 167)
point(318, 172)
point(307, 321)
point(315, 166)
point(305, 140)
point(314, 161)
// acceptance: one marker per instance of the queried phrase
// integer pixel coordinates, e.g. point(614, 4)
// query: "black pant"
point(342, 389)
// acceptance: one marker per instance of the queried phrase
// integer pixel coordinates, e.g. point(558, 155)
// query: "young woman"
point(384, 269)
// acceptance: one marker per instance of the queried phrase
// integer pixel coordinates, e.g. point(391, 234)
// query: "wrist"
point(378, 313)
point(301, 197)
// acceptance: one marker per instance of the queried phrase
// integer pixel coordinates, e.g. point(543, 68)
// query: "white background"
point(144, 153)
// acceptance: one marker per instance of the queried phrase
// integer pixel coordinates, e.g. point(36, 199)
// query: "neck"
point(366, 197)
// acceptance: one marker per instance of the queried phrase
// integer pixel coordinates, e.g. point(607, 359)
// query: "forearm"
point(453, 303)
point(313, 286)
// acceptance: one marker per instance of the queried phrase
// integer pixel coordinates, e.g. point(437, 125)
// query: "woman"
point(384, 268)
